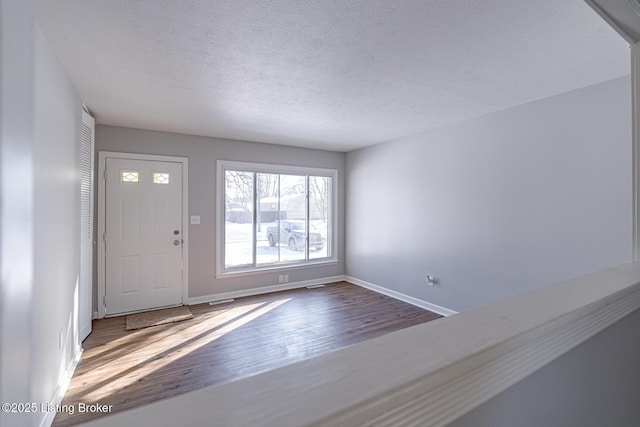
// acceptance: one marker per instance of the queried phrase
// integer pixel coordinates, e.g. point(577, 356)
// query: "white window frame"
point(222, 166)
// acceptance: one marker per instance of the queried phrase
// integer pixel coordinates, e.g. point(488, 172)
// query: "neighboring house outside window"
point(274, 216)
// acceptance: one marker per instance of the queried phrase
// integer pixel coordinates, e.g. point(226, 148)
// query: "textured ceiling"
point(330, 74)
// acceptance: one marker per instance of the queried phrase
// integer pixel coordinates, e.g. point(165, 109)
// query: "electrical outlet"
point(283, 278)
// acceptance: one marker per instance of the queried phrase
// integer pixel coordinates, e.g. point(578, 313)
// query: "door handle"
point(176, 242)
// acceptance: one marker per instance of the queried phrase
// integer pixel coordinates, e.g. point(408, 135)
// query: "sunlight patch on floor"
point(109, 378)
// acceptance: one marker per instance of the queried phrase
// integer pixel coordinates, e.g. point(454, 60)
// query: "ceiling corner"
point(622, 15)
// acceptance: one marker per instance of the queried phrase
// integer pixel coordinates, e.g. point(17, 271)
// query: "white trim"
point(635, 150)
point(264, 290)
point(276, 169)
point(274, 268)
point(322, 281)
point(102, 158)
point(427, 375)
point(221, 165)
point(402, 297)
point(219, 214)
point(609, 20)
point(61, 389)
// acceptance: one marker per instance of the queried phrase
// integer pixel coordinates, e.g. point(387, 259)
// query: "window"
point(160, 177)
point(129, 176)
point(275, 216)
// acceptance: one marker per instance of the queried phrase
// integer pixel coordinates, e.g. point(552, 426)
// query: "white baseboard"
point(402, 297)
point(61, 389)
point(395, 380)
point(263, 290)
point(322, 281)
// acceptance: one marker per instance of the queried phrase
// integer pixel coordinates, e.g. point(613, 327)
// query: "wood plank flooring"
point(225, 342)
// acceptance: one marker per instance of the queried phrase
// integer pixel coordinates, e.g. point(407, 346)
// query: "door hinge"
point(104, 174)
point(104, 237)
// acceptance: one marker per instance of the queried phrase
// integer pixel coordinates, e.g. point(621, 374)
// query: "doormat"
point(157, 317)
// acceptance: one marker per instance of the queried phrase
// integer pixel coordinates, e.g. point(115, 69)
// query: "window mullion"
point(279, 218)
point(306, 215)
point(233, 227)
point(255, 219)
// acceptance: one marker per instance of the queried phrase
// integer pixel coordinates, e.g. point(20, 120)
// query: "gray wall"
point(16, 203)
point(498, 205)
point(203, 153)
point(58, 116)
point(40, 118)
point(596, 384)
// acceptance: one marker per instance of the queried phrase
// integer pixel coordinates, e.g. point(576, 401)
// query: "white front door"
point(143, 235)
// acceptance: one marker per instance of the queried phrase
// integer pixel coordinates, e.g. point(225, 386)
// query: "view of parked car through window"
point(294, 235)
point(273, 218)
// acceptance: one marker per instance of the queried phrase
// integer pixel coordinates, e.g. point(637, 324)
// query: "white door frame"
point(102, 161)
point(635, 156)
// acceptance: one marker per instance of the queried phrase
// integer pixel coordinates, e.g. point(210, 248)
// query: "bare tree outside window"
point(239, 188)
point(319, 195)
point(238, 218)
point(272, 218)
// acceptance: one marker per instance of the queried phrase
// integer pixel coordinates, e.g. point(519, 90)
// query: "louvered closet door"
point(85, 302)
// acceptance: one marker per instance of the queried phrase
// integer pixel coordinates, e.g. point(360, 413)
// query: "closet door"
point(85, 302)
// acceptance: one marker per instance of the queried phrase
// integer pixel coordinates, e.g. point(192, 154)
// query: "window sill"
point(282, 267)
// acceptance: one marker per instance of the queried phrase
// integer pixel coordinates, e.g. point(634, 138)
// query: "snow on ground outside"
point(239, 251)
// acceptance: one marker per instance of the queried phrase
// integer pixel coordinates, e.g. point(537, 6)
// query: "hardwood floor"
point(225, 342)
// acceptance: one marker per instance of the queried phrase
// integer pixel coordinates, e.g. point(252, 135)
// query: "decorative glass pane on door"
point(160, 178)
point(129, 176)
